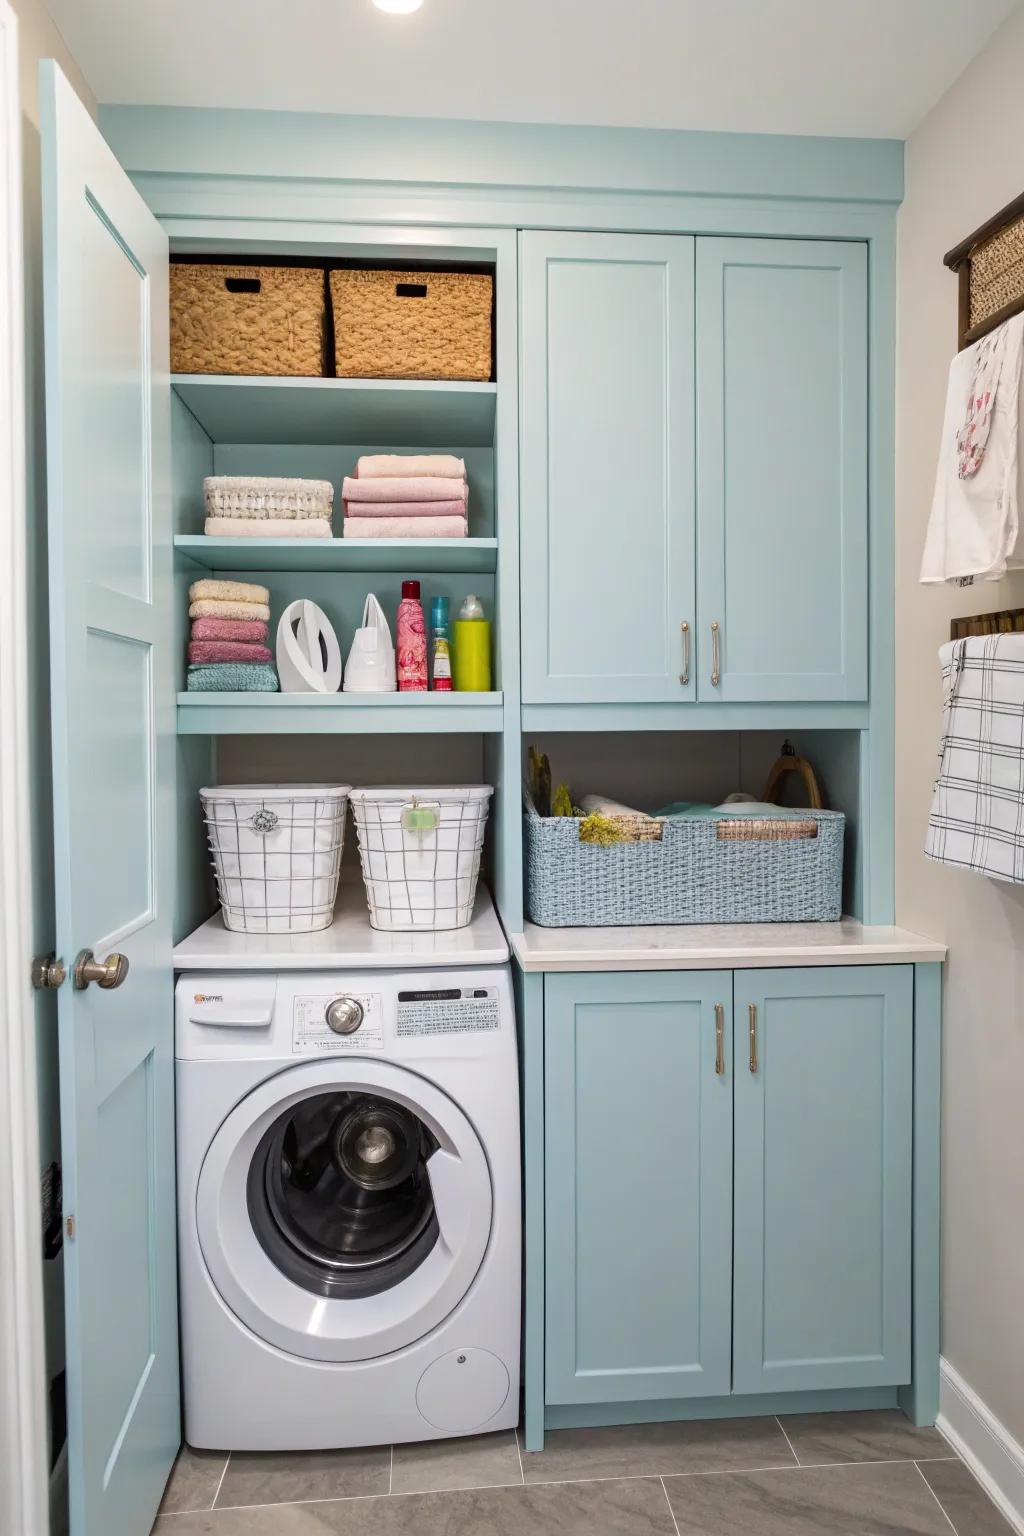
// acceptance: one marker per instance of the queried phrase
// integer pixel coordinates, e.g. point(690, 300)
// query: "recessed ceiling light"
point(398, 7)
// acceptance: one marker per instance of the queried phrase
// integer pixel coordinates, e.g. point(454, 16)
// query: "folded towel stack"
point(406, 496)
point(247, 507)
point(228, 652)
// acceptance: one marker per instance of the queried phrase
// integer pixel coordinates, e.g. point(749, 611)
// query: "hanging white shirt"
point(974, 532)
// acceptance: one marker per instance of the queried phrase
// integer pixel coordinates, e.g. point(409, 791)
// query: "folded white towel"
point(376, 466)
point(267, 528)
point(974, 532)
point(226, 608)
point(228, 591)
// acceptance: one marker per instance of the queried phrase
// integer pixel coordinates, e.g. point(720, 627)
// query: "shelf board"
point(416, 413)
point(332, 714)
point(410, 555)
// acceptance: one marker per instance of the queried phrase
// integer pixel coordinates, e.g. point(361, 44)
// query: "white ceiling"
point(861, 67)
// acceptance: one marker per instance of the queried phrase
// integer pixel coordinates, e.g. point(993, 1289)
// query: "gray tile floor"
point(850, 1474)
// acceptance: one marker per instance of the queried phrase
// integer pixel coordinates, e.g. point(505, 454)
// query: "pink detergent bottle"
point(412, 641)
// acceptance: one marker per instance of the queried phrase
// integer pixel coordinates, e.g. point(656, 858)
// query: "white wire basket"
point(420, 851)
point(276, 853)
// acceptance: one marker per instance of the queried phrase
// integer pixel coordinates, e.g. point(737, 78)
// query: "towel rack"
point(1007, 621)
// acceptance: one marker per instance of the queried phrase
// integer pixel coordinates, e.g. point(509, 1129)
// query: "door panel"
point(107, 416)
point(606, 470)
point(638, 1137)
point(782, 458)
point(823, 1178)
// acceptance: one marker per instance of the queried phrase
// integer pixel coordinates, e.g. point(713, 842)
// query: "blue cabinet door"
point(112, 698)
point(824, 1122)
point(782, 460)
point(638, 1185)
point(606, 469)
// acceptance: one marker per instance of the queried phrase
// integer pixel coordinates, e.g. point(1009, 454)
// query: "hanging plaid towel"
point(977, 817)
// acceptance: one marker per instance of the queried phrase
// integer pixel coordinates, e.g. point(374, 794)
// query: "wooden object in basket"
point(763, 829)
point(412, 325)
point(1007, 621)
point(990, 266)
point(247, 320)
point(786, 763)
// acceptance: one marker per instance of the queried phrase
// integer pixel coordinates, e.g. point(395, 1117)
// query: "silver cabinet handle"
point(753, 1036)
point(684, 676)
point(716, 654)
point(719, 1040)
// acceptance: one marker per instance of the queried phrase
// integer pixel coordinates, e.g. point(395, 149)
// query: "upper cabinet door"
point(782, 458)
point(824, 1120)
point(606, 472)
point(638, 1174)
point(112, 698)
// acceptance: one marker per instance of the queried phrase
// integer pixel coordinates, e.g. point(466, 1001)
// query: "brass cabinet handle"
point(716, 654)
point(752, 1011)
point(719, 1040)
point(108, 973)
point(684, 676)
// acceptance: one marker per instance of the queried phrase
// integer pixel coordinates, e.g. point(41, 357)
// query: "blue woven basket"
point(694, 874)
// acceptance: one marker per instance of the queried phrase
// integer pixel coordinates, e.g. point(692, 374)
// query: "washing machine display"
point(339, 1193)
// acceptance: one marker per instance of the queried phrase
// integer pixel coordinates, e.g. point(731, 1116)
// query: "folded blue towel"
point(232, 677)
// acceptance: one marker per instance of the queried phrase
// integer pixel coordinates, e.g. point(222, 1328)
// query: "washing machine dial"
point(344, 1015)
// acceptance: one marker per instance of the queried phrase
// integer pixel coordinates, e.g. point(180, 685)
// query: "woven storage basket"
point(267, 320)
point(695, 874)
point(253, 496)
point(412, 325)
point(997, 272)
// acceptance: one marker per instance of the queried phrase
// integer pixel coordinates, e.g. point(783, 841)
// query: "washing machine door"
point(344, 1208)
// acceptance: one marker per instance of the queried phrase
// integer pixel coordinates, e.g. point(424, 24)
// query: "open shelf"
point(324, 714)
point(418, 413)
point(469, 556)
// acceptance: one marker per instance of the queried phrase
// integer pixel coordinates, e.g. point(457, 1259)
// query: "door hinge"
point(48, 972)
point(69, 1227)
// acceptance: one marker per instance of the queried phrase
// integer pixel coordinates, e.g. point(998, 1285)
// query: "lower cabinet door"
point(824, 1115)
point(638, 1172)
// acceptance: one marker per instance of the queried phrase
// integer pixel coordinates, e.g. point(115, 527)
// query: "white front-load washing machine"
point(349, 1207)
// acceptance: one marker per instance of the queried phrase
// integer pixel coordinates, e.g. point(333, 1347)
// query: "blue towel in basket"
point(232, 677)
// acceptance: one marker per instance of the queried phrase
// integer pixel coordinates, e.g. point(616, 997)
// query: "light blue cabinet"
point(782, 465)
point(606, 468)
point(824, 1127)
point(727, 1211)
point(638, 1161)
point(694, 466)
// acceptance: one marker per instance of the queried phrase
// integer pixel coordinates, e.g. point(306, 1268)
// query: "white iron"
point(371, 661)
point(308, 653)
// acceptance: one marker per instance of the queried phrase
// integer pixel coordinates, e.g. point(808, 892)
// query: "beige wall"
point(39, 39)
point(964, 162)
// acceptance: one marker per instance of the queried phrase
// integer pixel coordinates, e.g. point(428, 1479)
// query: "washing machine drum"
point(344, 1208)
point(339, 1193)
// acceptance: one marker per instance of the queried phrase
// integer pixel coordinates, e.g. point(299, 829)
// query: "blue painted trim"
point(312, 714)
point(530, 1008)
point(711, 716)
point(587, 1415)
point(920, 1400)
point(404, 151)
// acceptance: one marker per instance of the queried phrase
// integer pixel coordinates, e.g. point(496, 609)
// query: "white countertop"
point(726, 946)
point(349, 943)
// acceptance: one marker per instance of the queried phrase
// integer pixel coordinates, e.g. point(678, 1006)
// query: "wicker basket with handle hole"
point(412, 325)
point(247, 320)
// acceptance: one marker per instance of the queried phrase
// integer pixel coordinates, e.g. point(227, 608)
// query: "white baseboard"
point(985, 1444)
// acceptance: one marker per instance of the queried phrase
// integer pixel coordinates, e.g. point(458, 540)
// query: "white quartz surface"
point(349, 943)
point(730, 946)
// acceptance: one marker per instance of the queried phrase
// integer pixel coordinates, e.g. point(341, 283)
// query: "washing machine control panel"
point(324, 1025)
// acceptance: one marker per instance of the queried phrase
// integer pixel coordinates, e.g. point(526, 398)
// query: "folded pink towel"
point(267, 528)
point(226, 650)
point(413, 488)
point(406, 508)
point(377, 466)
point(251, 631)
point(405, 528)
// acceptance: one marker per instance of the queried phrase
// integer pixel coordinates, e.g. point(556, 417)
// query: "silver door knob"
point(344, 1015)
point(108, 973)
